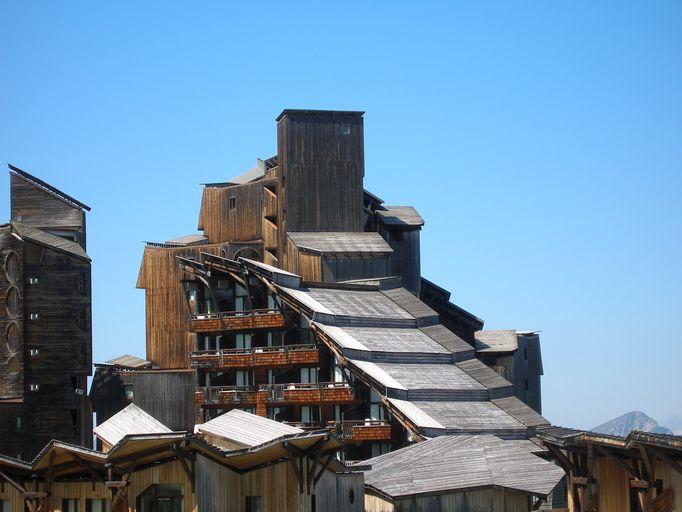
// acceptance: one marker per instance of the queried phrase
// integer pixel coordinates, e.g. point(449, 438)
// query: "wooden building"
point(638, 473)
point(469, 473)
point(45, 319)
point(176, 471)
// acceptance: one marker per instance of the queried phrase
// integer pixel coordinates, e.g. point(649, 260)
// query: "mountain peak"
point(633, 420)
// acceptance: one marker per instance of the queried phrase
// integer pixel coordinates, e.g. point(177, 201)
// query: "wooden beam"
point(323, 468)
point(88, 467)
point(14, 484)
point(562, 459)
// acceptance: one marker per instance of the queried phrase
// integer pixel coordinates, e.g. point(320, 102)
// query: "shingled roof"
point(40, 237)
point(340, 242)
point(129, 421)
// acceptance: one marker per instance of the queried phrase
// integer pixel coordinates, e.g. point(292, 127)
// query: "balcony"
point(309, 394)
point(358, 431)
point(235, 396)
point(259, 357)
point(251, 320)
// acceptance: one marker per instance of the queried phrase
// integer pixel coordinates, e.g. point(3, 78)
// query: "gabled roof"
point(400, 216)
point(40, 237)
point(54, 191)
point(129, 421)
point(496, 341)
point(246, 429)
point(340, 242)
point(128, 361)
point(454, 463)
point(186, 240)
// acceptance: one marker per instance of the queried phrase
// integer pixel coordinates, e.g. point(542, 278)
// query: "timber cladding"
point(11, 317)
point(231, 213)
point(321, 167)
point(169, 341)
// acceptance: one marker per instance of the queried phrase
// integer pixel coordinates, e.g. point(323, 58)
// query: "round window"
point(12, 302)
point(82, 319)
point(12, 267)
point(12, 335)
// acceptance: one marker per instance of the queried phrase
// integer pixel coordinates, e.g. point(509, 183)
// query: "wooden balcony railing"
point(309, 394)
point(246, 396)
point(258, 357)
point(237, 321)
point(357, 431)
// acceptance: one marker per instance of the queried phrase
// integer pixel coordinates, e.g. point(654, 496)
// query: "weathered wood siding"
point(472, 501)
point(406, 255)
point(36, 207)
point(11, 317)
point(168, 338)
point(321, 171)
point(375, 503)
point(335, 492)
point(614, 487)
point(241, 223)
point(152, 392)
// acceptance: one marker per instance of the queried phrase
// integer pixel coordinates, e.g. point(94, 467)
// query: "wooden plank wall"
point(406, 257)
point(473, 501)
point(36, 207)
point(11, 318)
point(63, 335)
point(168, 338)
point(374, 503)
point(614, 486)
point(321, 172)
point(222, 224)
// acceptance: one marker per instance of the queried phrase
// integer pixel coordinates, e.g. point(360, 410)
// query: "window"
point(4, 506)
point(376, 410)
point(70, 505)
point(34, 316)
point(33, 352)
point(96, 505)
point(128, 392)
point(345, 129)
point(33, 280)
point(242, 341)
point(81, 284)
point(309, 375)
point(34, 253)
point(232, 202)
point(254, 504)
point(160, 498)
point(34, 387)
point(20, 423)
point(379, 449)
point(243, 378)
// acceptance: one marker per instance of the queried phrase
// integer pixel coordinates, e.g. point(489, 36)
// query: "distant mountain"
point(634, 420)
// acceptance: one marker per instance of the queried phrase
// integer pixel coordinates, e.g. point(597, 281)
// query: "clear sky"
point(541, 141)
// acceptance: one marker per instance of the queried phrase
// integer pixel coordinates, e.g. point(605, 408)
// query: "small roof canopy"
point(456, 463)
point(246, 429)
point(187, 240)
point(340, 242)
point(129, 421)
point(128, 361)
point(400, 216)
point(40, 237)
point(496, 341)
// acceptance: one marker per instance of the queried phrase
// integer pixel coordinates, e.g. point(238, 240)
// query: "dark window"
point(253, 504)
point(525, 383)
point(128, 392)
point(351, 496)
point(34, 253)
point(81, 284)
point(96, 505)
point(232, 202)
point(345, 129)
point(161, 498)
point(70, 505)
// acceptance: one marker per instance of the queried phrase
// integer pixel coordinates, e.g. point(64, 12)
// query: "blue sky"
point(541, 141)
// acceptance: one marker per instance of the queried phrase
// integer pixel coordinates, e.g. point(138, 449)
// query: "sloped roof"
point(400, 216)
point(128, 361)
point(54, 191)
point(246, 429)
point(496, 341)
point(451, 463)
point(49, 240)
point(131, 420)
point(340, 242)
point(255, 173)
point(186, 240)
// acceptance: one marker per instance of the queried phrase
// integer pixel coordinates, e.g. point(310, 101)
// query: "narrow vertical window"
point(232, 201)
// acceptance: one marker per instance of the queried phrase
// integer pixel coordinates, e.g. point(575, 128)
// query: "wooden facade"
point(45, 319)
point(638, 473)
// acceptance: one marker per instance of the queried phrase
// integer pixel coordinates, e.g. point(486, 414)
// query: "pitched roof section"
point(48, 188)
point(496, 341)
point(340, 242)
point(400, 216)
point(253, 174)
point(451, 463)
point(128, 361)
point(129, 421)
point(246, 429)
point(49, 240)
point(187, 240)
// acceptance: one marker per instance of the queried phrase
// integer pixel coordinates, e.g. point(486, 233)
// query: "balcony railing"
point(237, 321)
point(362, 430)
point(227, 395)
point(313, 393)
point(258, 357)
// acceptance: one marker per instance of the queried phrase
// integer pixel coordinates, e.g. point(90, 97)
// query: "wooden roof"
point(128, 361)
point(245, 429)
point(40, 237)
point(326, 113)
point(187, 240)
point(54, 191)
point(253, 174)
point(449, 464)
point(340, 242)
point(496, 341)
point(131, 420)
point(400, 216)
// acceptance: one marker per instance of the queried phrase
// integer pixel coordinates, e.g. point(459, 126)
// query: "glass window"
point(379, 449)
point(4, 506)
point(254, 504)
point(128, 391)
point(309, 375)
point(70, 505)
point(97, 505)
point(161, 498)
point(243, 341)
point(243, 378)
